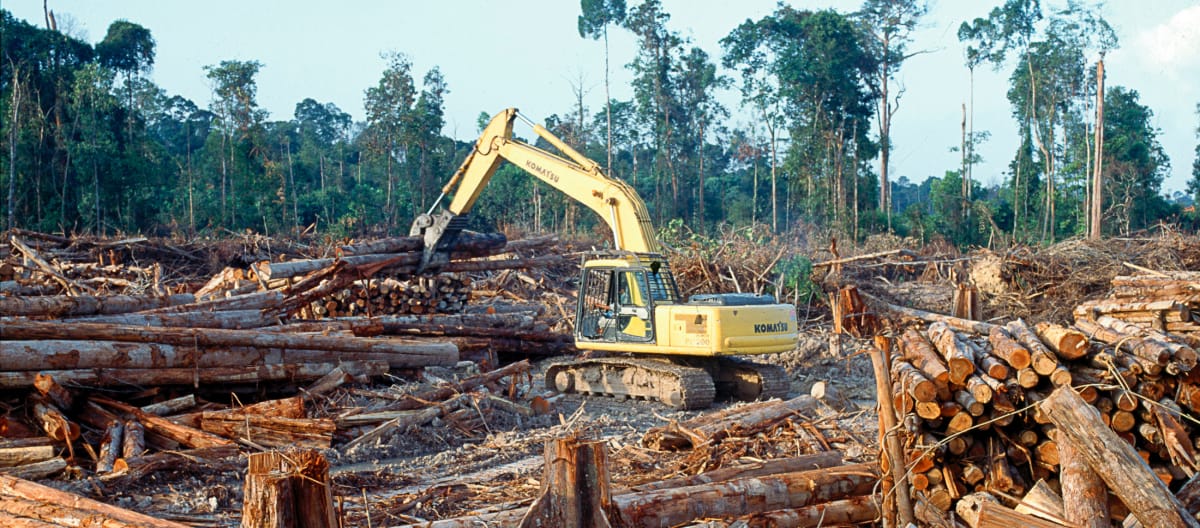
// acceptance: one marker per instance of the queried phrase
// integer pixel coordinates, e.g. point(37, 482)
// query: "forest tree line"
point(91, 145)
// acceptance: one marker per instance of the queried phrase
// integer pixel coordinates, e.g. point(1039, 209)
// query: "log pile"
point(785, 489)
point(976, 402)
point(442, 294)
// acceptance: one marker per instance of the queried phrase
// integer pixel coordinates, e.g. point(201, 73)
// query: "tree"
point(127, 48)
point(655, 89)
point(698, 84)
point(1193, 186)
point(890, 24)
point(239, 122)
point(389, 107)
point(1135, 164)
point(593, 23)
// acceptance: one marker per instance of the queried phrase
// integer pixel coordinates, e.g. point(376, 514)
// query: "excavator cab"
point(618, 297)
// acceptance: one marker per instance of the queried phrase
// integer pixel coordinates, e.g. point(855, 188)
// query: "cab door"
point(614, 306)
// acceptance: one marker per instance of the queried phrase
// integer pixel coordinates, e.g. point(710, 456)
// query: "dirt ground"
point(435, 471)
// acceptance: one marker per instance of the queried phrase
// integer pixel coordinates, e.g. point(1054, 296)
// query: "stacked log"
point(444, 294)
point(973, 404)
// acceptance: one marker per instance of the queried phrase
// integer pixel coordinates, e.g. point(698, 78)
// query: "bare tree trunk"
point(12, 150)
point(1095, 221)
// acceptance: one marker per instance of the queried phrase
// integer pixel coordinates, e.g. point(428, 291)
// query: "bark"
point(182, 434)
point(959, 358)
point(820, 460)
point(1068, 343)
point(1043, 502)
point(58, 306)
point(443, 354)
point(711, 428)
point(1114, 461)
point(422, 399)
point(852, 511)
point(575, 488)
point(960, 325)
point(270, 431)
point(106, 377)
point(73, 506)
point(745, 496)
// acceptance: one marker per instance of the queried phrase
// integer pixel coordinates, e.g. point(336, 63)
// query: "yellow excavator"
point(675, 351)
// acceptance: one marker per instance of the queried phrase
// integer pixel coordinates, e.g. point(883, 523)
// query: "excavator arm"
point(575, 175)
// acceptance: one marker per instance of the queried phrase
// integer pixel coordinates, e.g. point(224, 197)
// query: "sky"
point(528, 54)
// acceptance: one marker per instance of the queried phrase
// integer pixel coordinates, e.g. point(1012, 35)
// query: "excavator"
point(657, 345)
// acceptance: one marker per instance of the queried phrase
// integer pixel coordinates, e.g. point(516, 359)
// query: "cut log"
point(60, 306)
point(110, 446)
point(970, 505)
point(37, 470)
point(306, 499)
point(895, 483)
point(825, 459)
point(70, 506)
point(20, 455)
point(852, 511)
point(995, 515)
point(711, 428)
point(1114, 461)
point(156, 424)
point(102, 377)
point(268, 501)
point(229, 320)
point(831, 396)
point(1006, 347)
point(1043, 361)
point(1068, 343)
point(745, 496)
point(959, 358)
point(922, 355)
point(423, 354)
point(1043, 502)
point(270, 431)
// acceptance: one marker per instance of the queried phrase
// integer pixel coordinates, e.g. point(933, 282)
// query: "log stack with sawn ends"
point(985, 409)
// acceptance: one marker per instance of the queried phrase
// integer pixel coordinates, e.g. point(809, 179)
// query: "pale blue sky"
point(528, 54)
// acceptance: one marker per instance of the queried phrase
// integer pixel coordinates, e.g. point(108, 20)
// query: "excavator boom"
point(575, 175)
point(628, 301)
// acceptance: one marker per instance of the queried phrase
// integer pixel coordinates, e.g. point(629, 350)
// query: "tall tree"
point(890, 24)
point(746, 50)
point(1135, 164)
point(698, 84)
point(655, 90)
point(1193, 185)
point(127, 48)
point(389, 107)
point(239, 120)
point(596, 16)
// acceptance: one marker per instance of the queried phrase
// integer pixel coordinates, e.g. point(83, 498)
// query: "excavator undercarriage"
point(680, 382)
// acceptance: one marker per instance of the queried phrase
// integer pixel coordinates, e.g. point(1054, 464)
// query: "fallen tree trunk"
point(738, 421)
point(58, 306)
point(748, 496)
point(19, 494)
point(821, 460)
point(1117, 463)
point(852, 511)
point(71, 355)
point(229, 320)
point(439, 354)
point(109, 377)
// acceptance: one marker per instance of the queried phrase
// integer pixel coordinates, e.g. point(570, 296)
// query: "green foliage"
point(795, 274)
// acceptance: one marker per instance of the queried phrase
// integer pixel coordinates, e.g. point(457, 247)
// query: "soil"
point(436, 471)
